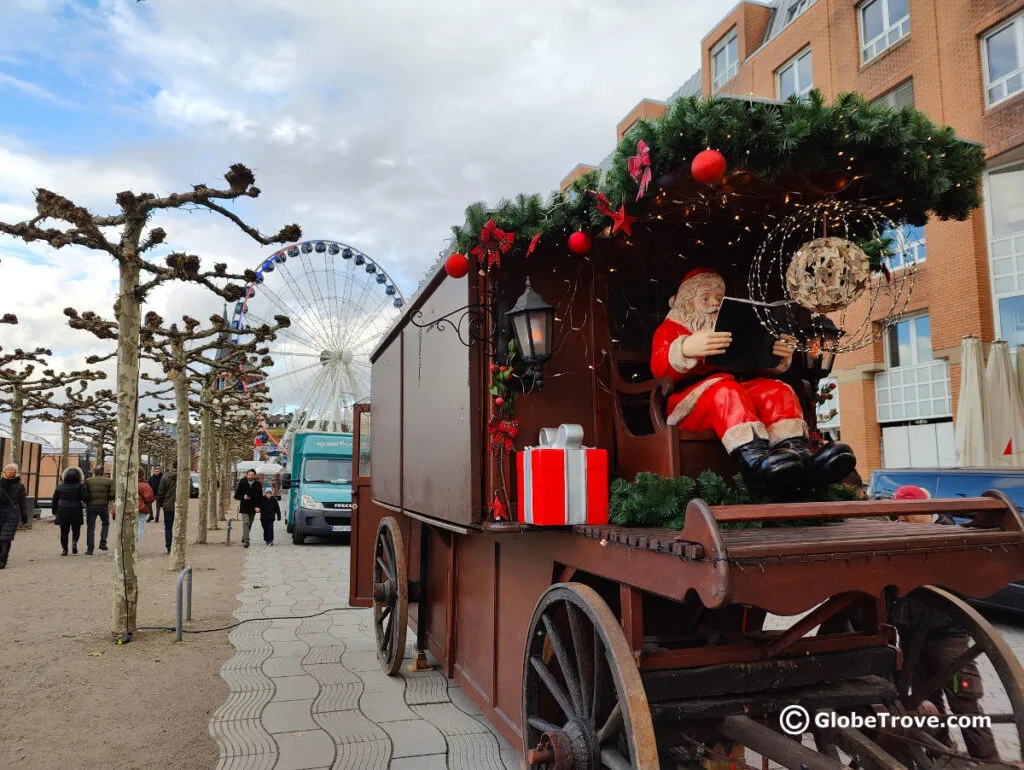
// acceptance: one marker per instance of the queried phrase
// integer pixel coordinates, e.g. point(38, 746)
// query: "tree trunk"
point(205, 488)
point(226, 485)
point(126, 458)
point(181, 500)
point(17, 415)
point(65, 446)
point(98, 447)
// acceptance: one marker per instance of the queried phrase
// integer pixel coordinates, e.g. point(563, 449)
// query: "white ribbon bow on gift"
point(569, 437)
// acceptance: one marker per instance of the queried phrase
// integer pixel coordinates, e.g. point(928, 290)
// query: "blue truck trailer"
point(319, 482)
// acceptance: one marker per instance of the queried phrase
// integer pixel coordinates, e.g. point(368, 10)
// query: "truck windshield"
point(327, 471)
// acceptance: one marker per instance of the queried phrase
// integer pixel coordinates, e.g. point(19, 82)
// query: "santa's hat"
point(911, 492)
point(695, 280)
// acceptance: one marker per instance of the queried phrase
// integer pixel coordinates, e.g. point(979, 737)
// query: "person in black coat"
point(270, 512)
point(12, 509)
point(69, 501)
point(249, 494)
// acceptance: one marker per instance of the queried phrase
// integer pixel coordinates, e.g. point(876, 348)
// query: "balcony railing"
point(917, 392)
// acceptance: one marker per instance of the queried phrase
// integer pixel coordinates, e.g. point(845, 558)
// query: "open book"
point(751, 348)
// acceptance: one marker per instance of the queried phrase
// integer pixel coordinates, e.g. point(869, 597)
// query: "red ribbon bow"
point(603, 204)
point(502, 432)
point(640, 167)
point(493, 243)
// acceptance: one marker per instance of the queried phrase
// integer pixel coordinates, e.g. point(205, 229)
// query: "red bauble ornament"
point(708, 166)
point(499, 401)
point(579, 242)
point(456, 265)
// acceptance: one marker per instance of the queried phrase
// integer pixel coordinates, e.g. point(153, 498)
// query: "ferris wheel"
point(341, 303)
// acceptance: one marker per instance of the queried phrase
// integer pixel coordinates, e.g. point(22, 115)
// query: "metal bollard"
point(228, 541)
point(188, 615)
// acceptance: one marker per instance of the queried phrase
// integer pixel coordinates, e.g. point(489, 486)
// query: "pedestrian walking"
point(101, 495)
point(165, 498)
point(270, 512)
point(146, 497)
point(154, 485)
point(12, 509)
point(69, 501)
point(250, 502)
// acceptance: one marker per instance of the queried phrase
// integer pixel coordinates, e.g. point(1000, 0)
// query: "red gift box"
point(561, 482)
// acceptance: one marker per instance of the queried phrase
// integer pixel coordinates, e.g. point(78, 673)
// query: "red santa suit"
point(707, 399)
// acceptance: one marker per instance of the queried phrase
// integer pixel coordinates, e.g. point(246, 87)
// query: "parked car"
point(961, 482)
point(194, 482)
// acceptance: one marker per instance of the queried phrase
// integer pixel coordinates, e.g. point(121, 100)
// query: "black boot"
point(798, 445)
point(749, 458)
point(783, 471)
point(831, 464)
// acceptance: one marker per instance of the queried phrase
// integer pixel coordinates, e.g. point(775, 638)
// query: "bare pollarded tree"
point(22, 389)
point(73, 412)
point(125, 238)
point(184, 353)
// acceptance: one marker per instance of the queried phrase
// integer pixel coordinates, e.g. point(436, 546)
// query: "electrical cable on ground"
point(247, 620)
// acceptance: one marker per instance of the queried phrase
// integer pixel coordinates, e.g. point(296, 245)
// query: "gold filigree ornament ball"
point(827, 274)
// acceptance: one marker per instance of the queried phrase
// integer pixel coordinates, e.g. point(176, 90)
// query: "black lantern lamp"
point(533, 322)
point(822, 340)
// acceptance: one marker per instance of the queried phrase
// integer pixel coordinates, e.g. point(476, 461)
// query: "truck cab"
point(320, 485)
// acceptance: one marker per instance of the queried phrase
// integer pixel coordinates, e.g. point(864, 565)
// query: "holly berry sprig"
point(501, 376)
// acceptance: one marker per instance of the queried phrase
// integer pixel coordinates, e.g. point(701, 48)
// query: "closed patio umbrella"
point(1003, 408)
point(972, 440)
point(1019, 353)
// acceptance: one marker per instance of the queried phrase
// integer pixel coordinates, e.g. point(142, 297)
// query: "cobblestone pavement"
point(309, 693)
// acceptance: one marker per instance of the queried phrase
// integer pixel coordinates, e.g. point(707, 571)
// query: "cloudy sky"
point(372, 123)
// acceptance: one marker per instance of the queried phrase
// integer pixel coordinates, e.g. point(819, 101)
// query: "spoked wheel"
point(942, 673)
point(390, 595)
point(584, 705)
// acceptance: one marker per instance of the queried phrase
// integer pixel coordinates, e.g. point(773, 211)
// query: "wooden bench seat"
point(643, 440)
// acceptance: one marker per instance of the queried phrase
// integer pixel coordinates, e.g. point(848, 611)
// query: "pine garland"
point(658, 501)
point(918, 166)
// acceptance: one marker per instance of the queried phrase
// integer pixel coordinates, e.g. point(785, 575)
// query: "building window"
point(883, 23)
point(1004, 209)
point(794, 77)
point(1002, 52)
point(899, 97)
point(909, 342)
point(725, 60)
point(912, 249)
point(795, 9)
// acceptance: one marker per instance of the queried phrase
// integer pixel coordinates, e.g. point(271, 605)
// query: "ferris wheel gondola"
point(341, 303)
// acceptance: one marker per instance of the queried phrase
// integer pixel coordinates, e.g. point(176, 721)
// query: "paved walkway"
point(309, 693)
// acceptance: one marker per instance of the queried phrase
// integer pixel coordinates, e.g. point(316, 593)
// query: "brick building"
point(961, 62)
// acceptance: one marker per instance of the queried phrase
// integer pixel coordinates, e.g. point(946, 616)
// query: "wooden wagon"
point(606, 646)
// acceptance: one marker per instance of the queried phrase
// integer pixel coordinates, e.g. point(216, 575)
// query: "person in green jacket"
point(166, 495)
point(101, 495)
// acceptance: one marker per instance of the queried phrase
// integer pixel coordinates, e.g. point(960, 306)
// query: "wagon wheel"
point(390, 595)
point(928, 675)
point(584, 704)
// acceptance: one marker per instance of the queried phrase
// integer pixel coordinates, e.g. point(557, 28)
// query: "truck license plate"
point(341, 528)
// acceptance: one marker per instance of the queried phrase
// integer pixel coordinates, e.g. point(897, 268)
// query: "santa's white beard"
point(696, 321)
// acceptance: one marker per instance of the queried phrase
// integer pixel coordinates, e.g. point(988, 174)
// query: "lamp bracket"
point(471, 323)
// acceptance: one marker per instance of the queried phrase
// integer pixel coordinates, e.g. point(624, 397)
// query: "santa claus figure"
point(757, 417)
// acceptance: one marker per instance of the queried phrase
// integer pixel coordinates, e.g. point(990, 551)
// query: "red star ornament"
point(498, 509)
point(622, 221)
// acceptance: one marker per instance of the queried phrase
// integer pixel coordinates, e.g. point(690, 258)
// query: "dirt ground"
point(71, 698)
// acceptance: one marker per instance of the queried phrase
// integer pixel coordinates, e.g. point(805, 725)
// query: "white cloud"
point(370, 123)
